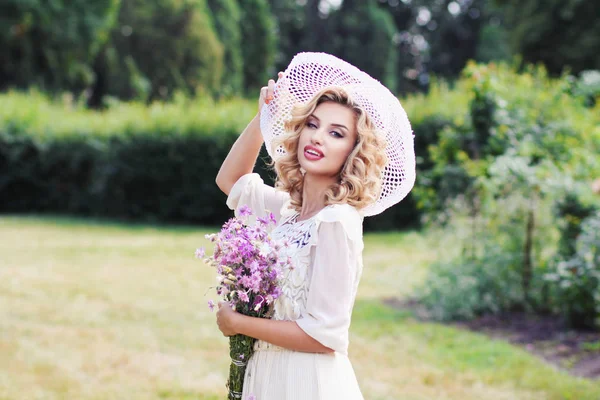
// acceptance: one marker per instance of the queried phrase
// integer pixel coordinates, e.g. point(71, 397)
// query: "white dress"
point(318, 293)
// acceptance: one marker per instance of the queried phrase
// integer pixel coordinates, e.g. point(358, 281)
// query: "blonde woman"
point(342, 149)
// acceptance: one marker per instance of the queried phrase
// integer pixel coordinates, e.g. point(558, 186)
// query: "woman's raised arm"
point(244, 152)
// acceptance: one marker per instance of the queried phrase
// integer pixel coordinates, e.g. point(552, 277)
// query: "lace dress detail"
point(289, 306)
point(318, 291)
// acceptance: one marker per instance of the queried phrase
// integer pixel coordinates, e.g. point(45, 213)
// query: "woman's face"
point(327, 139)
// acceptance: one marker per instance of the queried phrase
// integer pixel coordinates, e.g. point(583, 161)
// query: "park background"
point(484, 283)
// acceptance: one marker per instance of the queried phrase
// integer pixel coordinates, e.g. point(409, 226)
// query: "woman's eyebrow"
point(337, 125)
point(340, 126)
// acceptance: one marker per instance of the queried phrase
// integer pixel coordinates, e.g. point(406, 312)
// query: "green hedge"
point(158, 162)
point(155, 163)
point(150, 163)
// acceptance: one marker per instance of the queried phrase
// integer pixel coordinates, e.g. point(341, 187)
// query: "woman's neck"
point(313, 195)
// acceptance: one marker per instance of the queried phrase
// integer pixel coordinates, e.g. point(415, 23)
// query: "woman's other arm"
point(244, 152)
point(285, 334)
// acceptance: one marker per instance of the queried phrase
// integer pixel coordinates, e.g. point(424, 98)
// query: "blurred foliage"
point(575, 269)
point(154, 162)
point(259, 43)
point(52, 44)
point(577, 278)
point(227, 18)
point(587, 87)
point(496, 174)
point(362, 33)
point(157, 48)
point(290, 21)
point(557, 33)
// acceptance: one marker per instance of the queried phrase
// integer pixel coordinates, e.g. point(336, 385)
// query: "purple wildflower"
point(211, 305)
point(245, 211)
point(243, 296)
point(200, 252)
point(272, 218)
point(258, 303)
point(254, 266)
point(241, 356)
point(251, 397)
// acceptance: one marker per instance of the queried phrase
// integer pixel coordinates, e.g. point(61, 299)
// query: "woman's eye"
point(337, 134)
point(311, 125)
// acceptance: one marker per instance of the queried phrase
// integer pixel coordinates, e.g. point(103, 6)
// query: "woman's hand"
point(266, 92)
point(226, 318)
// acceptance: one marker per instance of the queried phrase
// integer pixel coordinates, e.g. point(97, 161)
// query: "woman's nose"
point(317, 137)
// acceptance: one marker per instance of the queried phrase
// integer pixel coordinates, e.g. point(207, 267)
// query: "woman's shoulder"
point(347, 216)
point(339, 212)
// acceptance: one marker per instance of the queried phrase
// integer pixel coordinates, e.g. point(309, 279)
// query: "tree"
point(455, 38)
point(52, 44)
point(291, 29)
point(362, 34)
point(259, 43)
point(227, 18)
point(556, 33)
point(157, 48)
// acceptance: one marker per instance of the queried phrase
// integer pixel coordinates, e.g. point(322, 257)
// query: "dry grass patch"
point(107, 311)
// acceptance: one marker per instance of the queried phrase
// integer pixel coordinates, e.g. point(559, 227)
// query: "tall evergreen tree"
point(362, 34)
point(52, 44)
point(291, 28)
point(259, 43)
point(157, 48)
point(227, 17)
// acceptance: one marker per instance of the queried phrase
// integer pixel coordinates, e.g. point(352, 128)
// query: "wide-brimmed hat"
point(309, 73)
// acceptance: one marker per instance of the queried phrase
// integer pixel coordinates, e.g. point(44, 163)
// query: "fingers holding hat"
point(270, 91)
point(262, 97)
point(267, 92)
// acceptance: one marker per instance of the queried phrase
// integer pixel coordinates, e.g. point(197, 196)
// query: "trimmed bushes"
point(155, 163)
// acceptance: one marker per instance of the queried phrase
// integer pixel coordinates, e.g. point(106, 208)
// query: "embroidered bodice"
point(325, 252)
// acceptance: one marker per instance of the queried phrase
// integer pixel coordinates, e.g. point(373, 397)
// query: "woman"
point(342, 149)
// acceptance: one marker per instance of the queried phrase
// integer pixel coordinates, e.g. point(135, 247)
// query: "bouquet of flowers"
point(248, 271)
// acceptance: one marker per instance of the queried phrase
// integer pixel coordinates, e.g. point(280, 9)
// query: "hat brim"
point(308, 74)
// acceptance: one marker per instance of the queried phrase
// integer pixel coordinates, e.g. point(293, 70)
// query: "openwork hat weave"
point(307, 74)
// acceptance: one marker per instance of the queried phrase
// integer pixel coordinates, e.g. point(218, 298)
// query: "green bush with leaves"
point(497, 173)
point(577, 279)
point(575, 271)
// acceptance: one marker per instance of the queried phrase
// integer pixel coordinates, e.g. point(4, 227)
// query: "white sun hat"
point(309, 73)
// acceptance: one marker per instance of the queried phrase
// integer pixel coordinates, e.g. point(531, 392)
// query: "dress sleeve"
point(250, 190)
point(336, 270)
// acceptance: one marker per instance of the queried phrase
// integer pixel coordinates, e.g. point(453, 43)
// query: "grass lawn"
point(107, 311)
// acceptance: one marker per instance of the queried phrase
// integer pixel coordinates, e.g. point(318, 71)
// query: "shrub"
point(575, 272)
point(498, 171)
point(133, 161)
point(463, 288)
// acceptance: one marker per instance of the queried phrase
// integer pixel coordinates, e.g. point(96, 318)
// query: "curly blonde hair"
point(359, 180)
